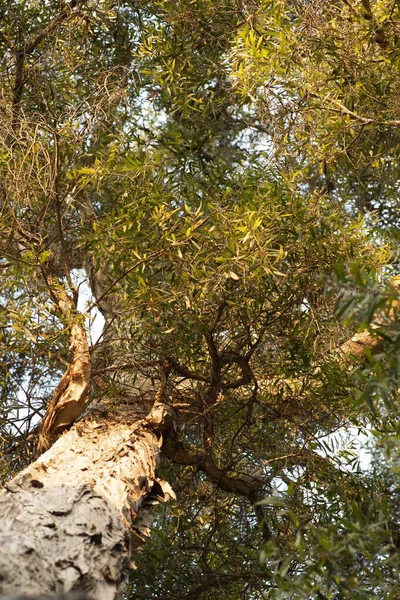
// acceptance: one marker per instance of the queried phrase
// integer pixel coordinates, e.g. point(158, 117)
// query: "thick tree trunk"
point(72, 520)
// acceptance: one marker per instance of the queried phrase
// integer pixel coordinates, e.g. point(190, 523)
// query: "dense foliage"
point(224, 175)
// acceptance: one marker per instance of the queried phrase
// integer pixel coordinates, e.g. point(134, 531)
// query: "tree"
point(223, 176)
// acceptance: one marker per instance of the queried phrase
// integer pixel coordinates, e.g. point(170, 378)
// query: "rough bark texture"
point(71, 596)
point(71, 520)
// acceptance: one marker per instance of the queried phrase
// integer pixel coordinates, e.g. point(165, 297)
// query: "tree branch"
point(246, 485)
point(213, 581)
point(29, 47)
point(186, 372)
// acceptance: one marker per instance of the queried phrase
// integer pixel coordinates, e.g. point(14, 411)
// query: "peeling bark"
point(69, 398)
point(68, 401)
point(72, 520)
point(354, 349)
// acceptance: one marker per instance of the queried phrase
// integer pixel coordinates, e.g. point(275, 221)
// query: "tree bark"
point(73, 519)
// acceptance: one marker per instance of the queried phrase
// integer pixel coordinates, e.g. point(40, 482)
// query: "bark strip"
point(68, 400)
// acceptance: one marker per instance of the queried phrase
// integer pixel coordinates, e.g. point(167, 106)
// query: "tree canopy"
point(223, 176)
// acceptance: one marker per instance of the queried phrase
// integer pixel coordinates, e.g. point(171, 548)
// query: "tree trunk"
point(72, 519)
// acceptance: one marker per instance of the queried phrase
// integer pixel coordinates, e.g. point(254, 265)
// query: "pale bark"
point(72, 520)
point(68, 400)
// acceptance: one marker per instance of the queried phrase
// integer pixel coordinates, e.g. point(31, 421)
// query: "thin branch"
point(243, 363)
point(31, 45)
point(351, 8)
point(186, 372)
point(122, 276)
point(364, 120)
point(28, 48)
point(18, 84)
point(212, 581)
point(64, 251)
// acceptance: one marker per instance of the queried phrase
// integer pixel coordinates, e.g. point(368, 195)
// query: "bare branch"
point(364, 120)
point(186, 372)
point(246, 485)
